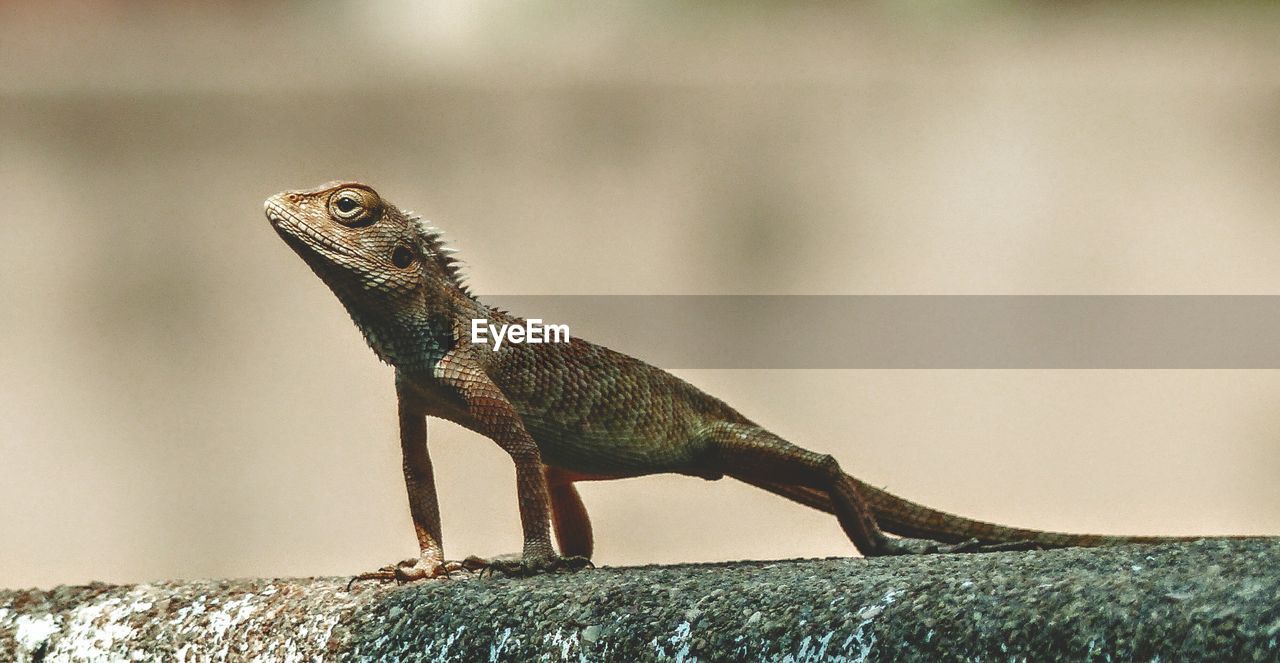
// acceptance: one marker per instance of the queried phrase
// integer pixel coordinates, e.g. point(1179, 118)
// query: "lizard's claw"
point(521, 567)
point(1008, 546)
point(410, 570)
point(907, 546)
point(384, 574)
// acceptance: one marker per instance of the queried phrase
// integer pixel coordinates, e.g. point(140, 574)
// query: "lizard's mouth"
point(299, 235)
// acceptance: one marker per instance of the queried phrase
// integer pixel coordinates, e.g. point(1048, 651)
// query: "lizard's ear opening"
point(402, 257)
point(355, 207)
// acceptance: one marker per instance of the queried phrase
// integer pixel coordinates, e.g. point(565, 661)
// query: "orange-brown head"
point(390, 269)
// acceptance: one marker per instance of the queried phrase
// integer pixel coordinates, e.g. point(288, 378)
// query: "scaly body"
point(568, 412)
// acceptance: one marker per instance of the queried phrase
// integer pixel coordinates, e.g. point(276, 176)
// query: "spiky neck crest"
point(433, 249)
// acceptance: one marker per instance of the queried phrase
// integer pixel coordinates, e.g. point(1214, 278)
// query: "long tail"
point(906, 518)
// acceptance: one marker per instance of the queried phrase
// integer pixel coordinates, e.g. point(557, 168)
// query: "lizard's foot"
point(521, 567)
point(906, 546)
point(409, 570)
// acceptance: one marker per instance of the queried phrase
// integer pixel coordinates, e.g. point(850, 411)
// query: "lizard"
point(569, 412)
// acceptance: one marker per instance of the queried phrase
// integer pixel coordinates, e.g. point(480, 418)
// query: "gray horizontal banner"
point(922, 331)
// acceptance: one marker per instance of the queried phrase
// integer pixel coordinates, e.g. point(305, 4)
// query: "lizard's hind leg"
point(756, 456)
point(569, 517)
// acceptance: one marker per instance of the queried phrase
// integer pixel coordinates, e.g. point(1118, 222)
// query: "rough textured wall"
point(1209, 600)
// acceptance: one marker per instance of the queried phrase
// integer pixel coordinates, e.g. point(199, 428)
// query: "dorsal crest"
point(433, 248)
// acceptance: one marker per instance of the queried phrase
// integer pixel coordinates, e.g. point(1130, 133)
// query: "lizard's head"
point(380, 261)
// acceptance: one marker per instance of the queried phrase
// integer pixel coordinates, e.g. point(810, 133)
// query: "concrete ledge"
point(1208, 600)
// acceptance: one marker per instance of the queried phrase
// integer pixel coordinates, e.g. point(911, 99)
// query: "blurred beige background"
point(180, 397)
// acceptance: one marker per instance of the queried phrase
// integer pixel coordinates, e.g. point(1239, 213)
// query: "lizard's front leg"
point(424, 506)
point(495, 418)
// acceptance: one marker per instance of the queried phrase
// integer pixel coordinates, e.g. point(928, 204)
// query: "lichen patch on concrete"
point(31, 633)
point(191, 621)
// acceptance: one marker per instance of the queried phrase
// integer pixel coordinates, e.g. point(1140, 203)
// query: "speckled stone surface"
point(1208, 600)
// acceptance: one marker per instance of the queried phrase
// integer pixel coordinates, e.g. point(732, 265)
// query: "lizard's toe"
point(410, 570)
point(526, 566)
point(1010, 546)
point(907, 546)
point(976, 546)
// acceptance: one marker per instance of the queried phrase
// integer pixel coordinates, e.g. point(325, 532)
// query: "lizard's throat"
point(407, 342)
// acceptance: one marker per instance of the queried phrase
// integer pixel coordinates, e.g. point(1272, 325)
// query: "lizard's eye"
point(401, 257)
point(346, 205)
point(355, 207)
